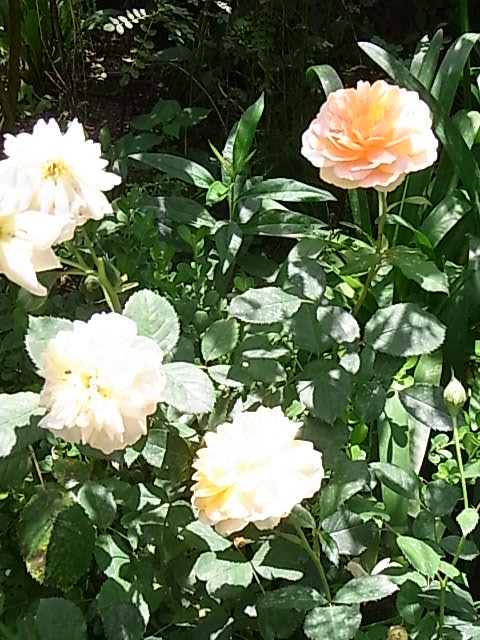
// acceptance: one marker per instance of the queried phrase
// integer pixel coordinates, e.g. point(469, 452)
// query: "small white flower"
point(253, 470)
point(25, 242)
point(101, 381)
point(66, 173)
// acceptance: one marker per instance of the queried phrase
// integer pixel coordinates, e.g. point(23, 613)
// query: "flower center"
point(54, 169)
point(91, 382)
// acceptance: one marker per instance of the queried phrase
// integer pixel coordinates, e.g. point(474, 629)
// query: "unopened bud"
point(397, 633)
point(454, 396)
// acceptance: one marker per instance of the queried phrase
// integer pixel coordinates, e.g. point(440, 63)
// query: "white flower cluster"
point(50, 183)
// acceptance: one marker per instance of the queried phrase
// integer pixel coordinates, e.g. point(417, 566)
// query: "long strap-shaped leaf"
point(445, 129)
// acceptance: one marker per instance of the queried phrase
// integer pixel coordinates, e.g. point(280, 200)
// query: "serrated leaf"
point(155, 318)
point(122, 621)
point(338, 324)
point(306, 331)
point(467, 520)
point(425, 403)
point(98, 503)
point(155, 447)
point(399, 480)
point(348, 479)
point(404, 329)
point(351, 534)
point(365, 589)
point(15, 412)
point(41, 329)
point(218, 572)
point(335, 622)
point(56, 539)
point(308, 277)
point(278, 559)
point(188, 388)
point(295, 596)
point(369, 401)
point(414, 265)
point(264, 306)
point(57, 619)
point(420, 555)
point(324, 388)
point(441, 497)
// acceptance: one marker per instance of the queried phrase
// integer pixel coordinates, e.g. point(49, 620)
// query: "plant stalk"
point(315, 559)
point(382, 214)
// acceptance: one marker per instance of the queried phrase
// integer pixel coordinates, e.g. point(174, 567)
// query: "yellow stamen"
point(54, 169)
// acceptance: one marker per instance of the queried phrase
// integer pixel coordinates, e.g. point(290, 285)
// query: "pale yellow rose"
point(371, 136)
point(253, 470)
point(101, 382)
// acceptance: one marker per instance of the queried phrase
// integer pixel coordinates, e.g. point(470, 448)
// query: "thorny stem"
point(382, 213)
point(460, 461)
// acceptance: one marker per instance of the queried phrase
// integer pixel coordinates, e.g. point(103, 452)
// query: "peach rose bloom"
point(371, 136)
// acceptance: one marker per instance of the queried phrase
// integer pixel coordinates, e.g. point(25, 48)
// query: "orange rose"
point(371, 136)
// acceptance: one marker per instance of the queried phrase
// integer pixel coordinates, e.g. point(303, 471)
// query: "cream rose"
point(253, 470)
point(25, 242)
point(371, 136)
point(66, 173)
point(101, 381)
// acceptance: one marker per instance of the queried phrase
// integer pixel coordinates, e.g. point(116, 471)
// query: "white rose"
point(101, 382)
point(66, 173)
point(253, 470)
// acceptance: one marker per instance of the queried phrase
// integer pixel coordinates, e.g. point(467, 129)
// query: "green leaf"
point(399, 480)
point(220, 338)
point(329, 78)
point(56, 539)
point(15, 412)
point(216, 192)
point(338, 324)
point(404, 329)
point(188, 388)
point(469, 550)
point(41, 329)
point(308, 277)
point(287, 190)
point(369, 401)
point(335, 622)
point(425, 60)
point(358, 262)
point(57, 619)
point(324, 388)
point(306, 331)
point(265, 370)
point(294, 596)
point(415, 266)
point(122, 621)
point(155, 447)
point(110, 556)
point(441, 497)
point(348, 479)
point(228, 240)
point(365, 589)
point(217, 572)
point(425, 403)
point(177, 167)
point(467, 520)
point(420, 555)
point(264, 306)
point(278, 559)
point(445, 216)
point(284, 224)
point(245, 132)
point(155, 318)
point(182, 211)
point(472, 469)
point(450, 71)
point(98, 503)
point(350, 533)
